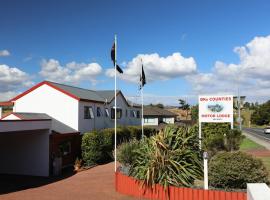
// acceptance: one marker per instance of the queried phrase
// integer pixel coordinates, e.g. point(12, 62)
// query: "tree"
point(247, 105)
point(184, 106)
point(195, 112)
point(261, 115)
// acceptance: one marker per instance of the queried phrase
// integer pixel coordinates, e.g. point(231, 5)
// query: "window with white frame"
point(149, 120)
point(134, 113)
point(88, 112)
point(107, 114)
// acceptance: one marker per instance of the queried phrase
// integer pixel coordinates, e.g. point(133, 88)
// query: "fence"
point(129, 186)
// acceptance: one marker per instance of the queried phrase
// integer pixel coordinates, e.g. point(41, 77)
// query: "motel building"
point(47, 122)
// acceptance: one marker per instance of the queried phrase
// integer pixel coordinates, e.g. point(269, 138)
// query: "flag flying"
point(113, 59)
point(142, 79)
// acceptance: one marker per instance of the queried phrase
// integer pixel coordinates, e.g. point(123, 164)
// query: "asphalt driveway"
point(93, 184)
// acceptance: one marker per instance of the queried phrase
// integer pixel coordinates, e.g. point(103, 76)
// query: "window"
point(149, 120)
point(119, 113)
point(99, 113)
point(88, 112)
point(134, 113)
point(107, 114)
point(138, 114)
point(65, 148)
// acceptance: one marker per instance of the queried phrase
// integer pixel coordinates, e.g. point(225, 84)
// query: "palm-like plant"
point(169, 158)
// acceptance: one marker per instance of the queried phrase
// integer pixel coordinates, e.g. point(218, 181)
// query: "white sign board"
point(216, 108)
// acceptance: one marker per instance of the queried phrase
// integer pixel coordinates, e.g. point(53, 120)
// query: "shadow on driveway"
point(14, 183)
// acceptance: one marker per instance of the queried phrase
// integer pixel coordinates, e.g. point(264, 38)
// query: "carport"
point(24, 147)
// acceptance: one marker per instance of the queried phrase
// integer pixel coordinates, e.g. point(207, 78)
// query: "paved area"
point(93, 184)
point(257, 136)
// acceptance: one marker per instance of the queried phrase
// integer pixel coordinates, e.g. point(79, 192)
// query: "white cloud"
point(4, 53)
point(11, 80)
point(156, 67)
point(6, 96)
point(72, 72)
point(251, 74)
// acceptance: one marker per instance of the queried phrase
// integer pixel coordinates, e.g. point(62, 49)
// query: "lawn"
point(248, 144)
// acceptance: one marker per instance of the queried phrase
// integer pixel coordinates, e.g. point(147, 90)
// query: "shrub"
point(233, 140)
point(220, 137)
point(97, 146)
point(126, 154)
point(92, 144)
point(168, 158)
point(233, 170)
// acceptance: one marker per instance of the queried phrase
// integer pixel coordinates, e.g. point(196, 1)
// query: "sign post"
point(213, 109)
point(205, 170)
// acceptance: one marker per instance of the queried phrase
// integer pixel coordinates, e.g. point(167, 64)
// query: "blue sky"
point(42, 38)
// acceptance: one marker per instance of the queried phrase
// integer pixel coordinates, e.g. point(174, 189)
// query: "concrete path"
point(93, 184)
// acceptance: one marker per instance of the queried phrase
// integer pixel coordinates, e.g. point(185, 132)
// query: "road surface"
point(257, 135)
point(258, 132)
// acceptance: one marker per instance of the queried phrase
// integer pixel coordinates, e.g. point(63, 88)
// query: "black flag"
point(142, 79)
point(113, 59)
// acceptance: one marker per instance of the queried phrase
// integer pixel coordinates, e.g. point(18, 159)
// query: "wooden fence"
point(129, 186)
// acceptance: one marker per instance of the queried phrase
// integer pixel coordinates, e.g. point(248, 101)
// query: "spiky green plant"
point(169, 158)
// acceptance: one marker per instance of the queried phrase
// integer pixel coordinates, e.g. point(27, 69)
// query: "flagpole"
point(115, 104)
point(142, 105)
point(142, 113)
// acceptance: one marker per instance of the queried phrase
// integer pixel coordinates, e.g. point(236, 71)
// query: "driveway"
point(93, 184)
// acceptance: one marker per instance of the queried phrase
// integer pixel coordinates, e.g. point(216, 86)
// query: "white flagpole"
point(115, 104)
point(142, 104)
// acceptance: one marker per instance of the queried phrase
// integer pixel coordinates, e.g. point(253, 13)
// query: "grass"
point(248, 144)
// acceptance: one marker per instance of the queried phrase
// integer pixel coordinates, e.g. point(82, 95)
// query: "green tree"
point(195, 112)
point(261, 115)
point(184, 106)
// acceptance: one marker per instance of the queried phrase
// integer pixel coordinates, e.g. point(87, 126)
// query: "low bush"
point(97, 146)
point(126, 152)
point(233, 170)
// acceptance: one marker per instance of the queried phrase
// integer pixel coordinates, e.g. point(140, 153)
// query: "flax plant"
point(171, 157)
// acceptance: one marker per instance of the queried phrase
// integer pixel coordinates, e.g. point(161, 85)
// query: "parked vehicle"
point(266, 130)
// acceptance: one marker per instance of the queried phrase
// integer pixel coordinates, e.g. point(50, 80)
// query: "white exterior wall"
point(25, 153)
point(169, 120)
point(61, 107)
point(150, 123)
point(86, 125)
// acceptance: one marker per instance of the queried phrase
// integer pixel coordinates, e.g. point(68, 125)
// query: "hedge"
point(98, 146)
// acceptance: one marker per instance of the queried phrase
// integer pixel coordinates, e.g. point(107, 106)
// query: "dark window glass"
point(119, 113)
